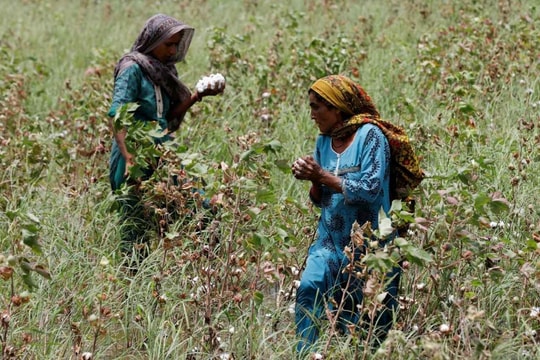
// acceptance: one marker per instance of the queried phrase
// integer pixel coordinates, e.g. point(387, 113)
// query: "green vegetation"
point(461, 76)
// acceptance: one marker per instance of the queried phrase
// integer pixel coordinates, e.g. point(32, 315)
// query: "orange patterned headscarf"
point(349, 98)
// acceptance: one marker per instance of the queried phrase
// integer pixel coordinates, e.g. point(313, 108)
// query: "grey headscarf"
point(156, 30)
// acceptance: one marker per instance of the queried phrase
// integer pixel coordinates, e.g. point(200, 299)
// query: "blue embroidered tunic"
point(365, 173)
point(364, 168)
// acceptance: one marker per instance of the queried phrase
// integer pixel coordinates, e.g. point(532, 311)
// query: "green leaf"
point(246, 155)
point(155, 131)
point(509, 253)
point(30, 239)
point(28, 281)
point(273, 146)
point(499, 206)
point(401, 242)
point(531, 245)
point(480, 200)
point(385, 228)
point(247, 184)
point(28, 267)
point(25, 265)
point(477, 282)
point(385, 224)
point(265, 196)
point(396, 207)
point(466, 108)
point(255, 240)
point(254, 210)
point(417, 255)
point(136, 171)
point(284, 166)
point(12, 214)
point(258, 297)
point(464, 176)
point(282, 233)
point(197, 170)
point(124, 116)
point(379, 261)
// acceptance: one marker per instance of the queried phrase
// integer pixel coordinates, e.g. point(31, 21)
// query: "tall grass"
point(461, 77)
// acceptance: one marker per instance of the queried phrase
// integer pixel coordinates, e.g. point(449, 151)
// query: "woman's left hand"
point(307, 168)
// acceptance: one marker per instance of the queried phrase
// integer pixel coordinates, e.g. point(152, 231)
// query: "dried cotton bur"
point(358, 233)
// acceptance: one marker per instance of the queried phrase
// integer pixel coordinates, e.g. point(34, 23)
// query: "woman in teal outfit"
point(350, 176)
point(147, 76)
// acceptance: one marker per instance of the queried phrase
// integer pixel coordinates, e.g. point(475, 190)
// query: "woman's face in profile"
point(167, 49)
point(326, 117)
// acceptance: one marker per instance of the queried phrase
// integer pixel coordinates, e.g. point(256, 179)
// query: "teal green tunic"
point(132, 86)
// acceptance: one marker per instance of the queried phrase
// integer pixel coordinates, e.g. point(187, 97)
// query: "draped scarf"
point(156, 30)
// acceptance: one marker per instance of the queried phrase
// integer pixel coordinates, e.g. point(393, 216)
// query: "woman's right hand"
point(129, 163)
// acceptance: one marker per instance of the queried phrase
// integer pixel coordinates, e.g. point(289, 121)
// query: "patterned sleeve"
point(126, 88)
point(367, 184)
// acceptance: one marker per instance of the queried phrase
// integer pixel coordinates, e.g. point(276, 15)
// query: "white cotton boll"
point(212, 82)
point(444, 328)
point(291, 309)
point(219, 80)
point(266, 117)
point(200, 86)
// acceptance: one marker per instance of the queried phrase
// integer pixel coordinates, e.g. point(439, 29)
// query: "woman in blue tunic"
point(350, 176)
point(147, 76)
